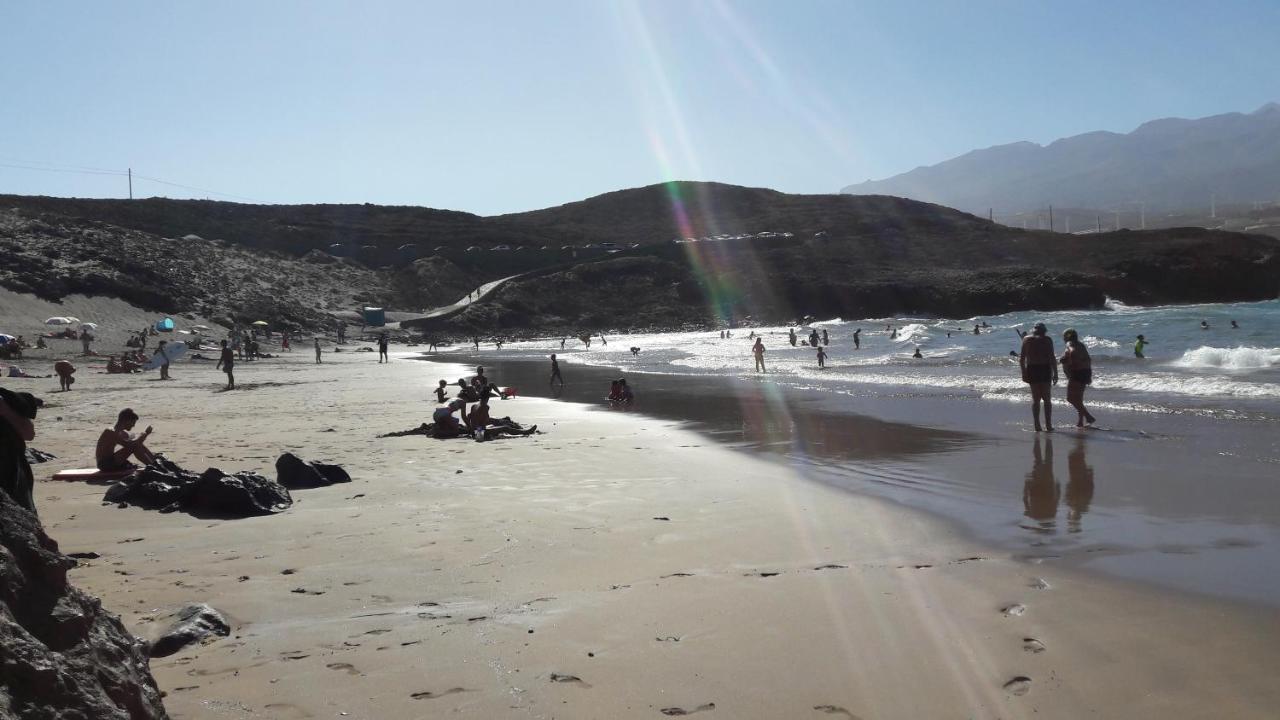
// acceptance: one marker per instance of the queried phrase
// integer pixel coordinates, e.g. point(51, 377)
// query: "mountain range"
point(1168, 164)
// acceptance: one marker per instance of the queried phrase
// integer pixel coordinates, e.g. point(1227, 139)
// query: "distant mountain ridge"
point(1168, 164)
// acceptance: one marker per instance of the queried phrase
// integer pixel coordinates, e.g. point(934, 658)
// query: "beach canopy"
point(89, 326)
point(58, 321)
point(165, 325)
point(261, 323)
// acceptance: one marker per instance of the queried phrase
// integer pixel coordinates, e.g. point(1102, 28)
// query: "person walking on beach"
point(1139, 347)
point(1078, 368)
point(792, 333)
point(555, 370)
point(857, 339)
point(822, 358)
point(284, 341)
point(382, 349)
point(1039, 366)
point(758, 351)
point(318, 359)
point(561, 343)
point(227, 363)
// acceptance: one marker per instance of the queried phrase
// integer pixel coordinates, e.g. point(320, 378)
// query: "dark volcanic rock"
point(191, 624)
point(167, 487)
point(62, 656)
point(294, 473)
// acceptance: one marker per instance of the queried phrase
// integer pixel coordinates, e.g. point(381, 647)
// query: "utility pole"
point(1099, 230)
point(1143, 210)
point(130, 183)
point(1050, 218)
point(1068, 224)
point(990, 216)
point(1213, 205)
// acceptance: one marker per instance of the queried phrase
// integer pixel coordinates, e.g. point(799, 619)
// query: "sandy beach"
point(615, 565)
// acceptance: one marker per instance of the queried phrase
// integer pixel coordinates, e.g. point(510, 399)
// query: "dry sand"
point(616, 566)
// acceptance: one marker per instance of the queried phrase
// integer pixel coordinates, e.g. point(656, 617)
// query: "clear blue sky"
point(495, 107)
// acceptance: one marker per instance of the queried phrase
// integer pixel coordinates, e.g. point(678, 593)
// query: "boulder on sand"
point(191, 624)
point(295, 473)
point(61, 654)
point(167, 487)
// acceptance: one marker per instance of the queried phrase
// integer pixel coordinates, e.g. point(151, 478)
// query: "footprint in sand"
point(835, 710)
point(1014, 610)
point(562, 678)
point(761, 574)
point(668, 638)
point(428, 695)
point(1033, 645)
point(1039, 584)
point(677, 574)
point(351, 669)
point(831, 566)
point(682, 711)
point(1020, 685)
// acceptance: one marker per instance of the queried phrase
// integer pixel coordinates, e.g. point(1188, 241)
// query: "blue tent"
point(375, 317)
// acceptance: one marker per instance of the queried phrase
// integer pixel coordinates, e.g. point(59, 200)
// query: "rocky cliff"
point(62, 656)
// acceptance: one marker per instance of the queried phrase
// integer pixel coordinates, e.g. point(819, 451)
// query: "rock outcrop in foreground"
point(62, 656)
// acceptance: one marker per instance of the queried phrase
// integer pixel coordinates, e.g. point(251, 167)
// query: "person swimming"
point(917, 354)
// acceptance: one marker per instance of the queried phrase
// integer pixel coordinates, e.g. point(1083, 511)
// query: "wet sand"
point(1183, 501)
point(618, 565)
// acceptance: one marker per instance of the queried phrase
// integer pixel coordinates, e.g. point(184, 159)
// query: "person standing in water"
point(822, 358)
point(1139, 347)
point(758, 351)
point(555, 370)
point(792, 333)
point(227, 363)
point(1204, 324)
point(825, 340)
point(317, 344)
point(1234, 326)
point(1078, 368)
point(857, 339)
point(1039, 366)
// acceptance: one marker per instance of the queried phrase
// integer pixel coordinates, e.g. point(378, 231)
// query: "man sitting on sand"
point(109, 459)
point(490, 428)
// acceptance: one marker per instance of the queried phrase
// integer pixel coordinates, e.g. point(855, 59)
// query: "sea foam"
point(1237, 358)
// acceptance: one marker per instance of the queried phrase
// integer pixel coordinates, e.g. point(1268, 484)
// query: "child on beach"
point(441, 394)
point(822, 357)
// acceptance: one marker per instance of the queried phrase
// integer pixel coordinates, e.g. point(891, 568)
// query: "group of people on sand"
point(475, 421)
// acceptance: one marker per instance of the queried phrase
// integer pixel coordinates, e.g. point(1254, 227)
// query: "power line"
point(81, 170)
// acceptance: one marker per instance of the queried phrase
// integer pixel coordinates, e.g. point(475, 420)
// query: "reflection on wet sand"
point(1079, 485)
point(1041, 493)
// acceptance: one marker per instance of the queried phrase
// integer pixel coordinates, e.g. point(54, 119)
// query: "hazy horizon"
point(510, 107)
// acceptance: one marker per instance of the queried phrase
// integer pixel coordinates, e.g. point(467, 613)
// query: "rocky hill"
point(616, 260)
point(1169, 164)
point(52, 256)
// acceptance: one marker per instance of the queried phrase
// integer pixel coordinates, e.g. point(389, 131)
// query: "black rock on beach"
point(167, 487)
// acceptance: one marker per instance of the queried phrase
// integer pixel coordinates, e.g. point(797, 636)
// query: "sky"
point(493, 107)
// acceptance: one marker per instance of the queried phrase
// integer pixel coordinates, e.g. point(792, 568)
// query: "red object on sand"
point(509, 392)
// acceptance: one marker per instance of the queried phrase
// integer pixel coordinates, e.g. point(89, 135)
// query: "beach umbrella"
point(6, 339)
point(261, 323)
point(57, 321)
point(89, 326)
point(72, 320)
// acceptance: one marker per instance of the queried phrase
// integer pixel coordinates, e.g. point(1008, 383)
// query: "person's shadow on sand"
point(1079, 486)
point(1041, 491)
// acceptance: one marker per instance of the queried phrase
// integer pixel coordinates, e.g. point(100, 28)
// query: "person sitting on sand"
point(110, 459)
point(113, 365)
point(65, 371)
point(446, 425)
point(623, 396)
point(615, 392)
point(441, 393)
point(488, 428)
point(16, 372)
point(467, 392)
point(1039, 366)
